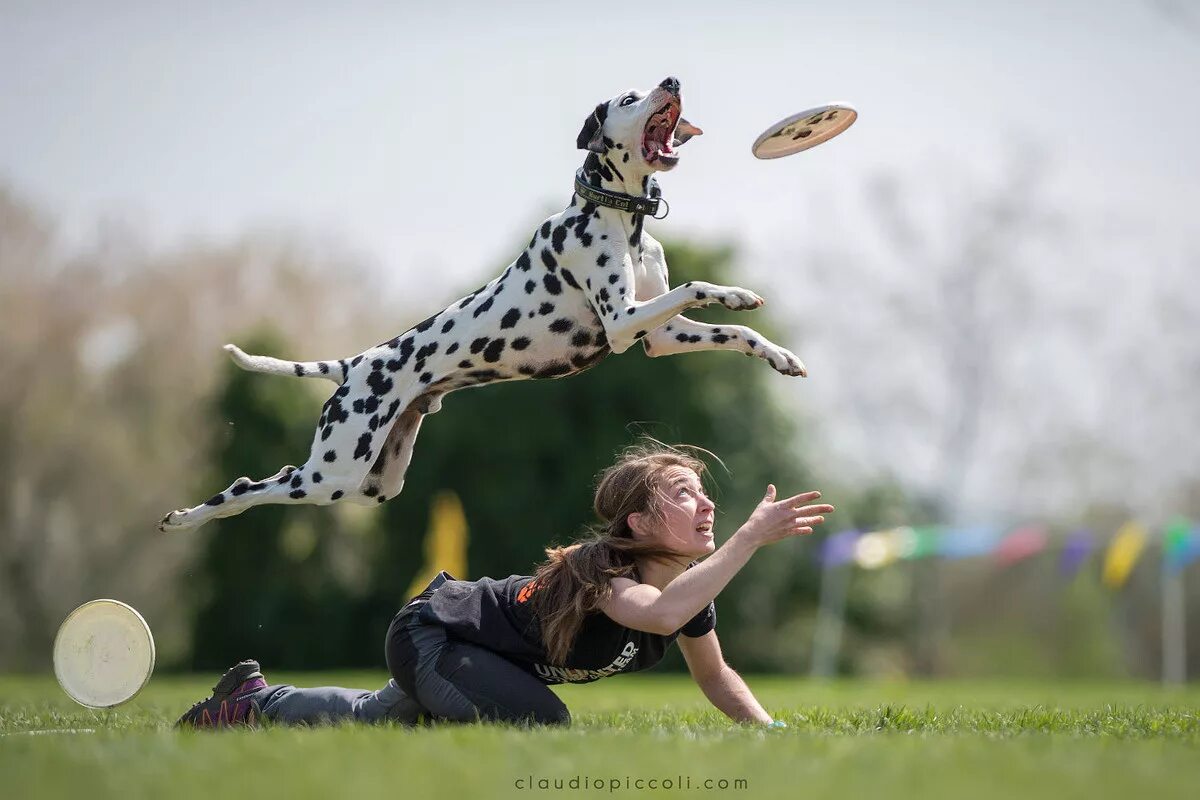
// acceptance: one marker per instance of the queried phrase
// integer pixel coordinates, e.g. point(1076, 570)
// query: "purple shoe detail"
point(231, 702)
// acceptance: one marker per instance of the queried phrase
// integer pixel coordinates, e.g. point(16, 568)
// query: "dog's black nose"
point(671, 85)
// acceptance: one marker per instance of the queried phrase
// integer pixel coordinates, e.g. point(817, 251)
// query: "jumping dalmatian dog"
point(591, 281)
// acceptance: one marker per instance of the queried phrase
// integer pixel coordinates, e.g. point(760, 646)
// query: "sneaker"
point(230, 703)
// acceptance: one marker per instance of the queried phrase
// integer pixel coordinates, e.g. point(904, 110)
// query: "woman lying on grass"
point(487, 649)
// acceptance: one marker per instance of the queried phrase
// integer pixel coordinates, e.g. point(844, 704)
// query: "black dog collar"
point(621, 202)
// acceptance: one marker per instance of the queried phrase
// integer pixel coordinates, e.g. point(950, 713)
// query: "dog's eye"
point(627, 100)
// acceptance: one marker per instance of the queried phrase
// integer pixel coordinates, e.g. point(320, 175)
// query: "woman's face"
point(687, 515)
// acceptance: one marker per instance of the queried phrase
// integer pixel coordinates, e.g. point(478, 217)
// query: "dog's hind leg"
point(290, 485)
point(386, 478)
point(345, 445)
point(240, 495)
point(303, 484)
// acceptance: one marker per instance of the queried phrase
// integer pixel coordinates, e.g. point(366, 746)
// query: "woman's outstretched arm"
point(723, 687)
point(645, 608)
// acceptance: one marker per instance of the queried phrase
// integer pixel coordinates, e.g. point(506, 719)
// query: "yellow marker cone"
point(445, 542)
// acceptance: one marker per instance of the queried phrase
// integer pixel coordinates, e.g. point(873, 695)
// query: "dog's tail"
point(333, 370)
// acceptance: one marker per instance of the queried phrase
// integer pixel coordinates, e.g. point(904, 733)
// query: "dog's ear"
point(591, 135)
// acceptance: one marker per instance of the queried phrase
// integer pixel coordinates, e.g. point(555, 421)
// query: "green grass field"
point(848, 740)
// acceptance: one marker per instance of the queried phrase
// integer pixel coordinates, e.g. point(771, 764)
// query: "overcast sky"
point(429, 138)
point(381, 123)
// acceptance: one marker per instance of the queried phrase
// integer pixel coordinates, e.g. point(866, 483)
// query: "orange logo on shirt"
point(527, 591)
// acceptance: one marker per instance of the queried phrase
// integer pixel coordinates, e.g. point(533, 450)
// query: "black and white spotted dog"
point(591, 281)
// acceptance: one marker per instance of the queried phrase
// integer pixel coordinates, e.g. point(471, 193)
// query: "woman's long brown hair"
point(574, 580)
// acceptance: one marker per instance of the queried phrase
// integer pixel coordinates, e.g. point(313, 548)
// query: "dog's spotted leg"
point(626, 319)
point(240, 495)
point(354, 424)
point(291, 485)
point(682, 335)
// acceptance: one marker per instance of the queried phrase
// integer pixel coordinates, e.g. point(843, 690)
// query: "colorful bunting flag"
point(1181, 545)
point(879, 548)
point(902, 541)
point(1123, 553)
point(876, 549)
point(926, 539)
point(968, 542)
point(838, 548)
point(1021, 544)
point(1076, 549)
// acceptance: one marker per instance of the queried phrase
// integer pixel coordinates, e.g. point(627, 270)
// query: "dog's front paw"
point(781, 360)
point(736, 298)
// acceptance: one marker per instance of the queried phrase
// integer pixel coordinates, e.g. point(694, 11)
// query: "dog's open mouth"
point(658, 138)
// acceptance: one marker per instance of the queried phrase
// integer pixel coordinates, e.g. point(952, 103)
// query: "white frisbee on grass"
point(103, 653)
point(804, 130)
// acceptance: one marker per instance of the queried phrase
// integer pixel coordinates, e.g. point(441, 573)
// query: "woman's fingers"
point(803, 497)
point(805, 512)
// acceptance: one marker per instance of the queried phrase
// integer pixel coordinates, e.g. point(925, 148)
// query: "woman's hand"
point(775, 520)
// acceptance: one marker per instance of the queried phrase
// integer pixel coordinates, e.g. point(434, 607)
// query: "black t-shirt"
point(496, 614)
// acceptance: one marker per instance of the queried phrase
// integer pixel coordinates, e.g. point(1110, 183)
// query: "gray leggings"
point(433, 677)
point(289, 705)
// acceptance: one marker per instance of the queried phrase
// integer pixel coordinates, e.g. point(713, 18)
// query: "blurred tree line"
point(109, 352)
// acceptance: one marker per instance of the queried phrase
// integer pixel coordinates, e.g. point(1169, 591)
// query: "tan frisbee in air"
point(804, 130)
point(103, 653)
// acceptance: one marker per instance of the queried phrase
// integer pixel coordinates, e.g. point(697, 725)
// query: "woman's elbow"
point(659, 627)
point(670, 621)
point(661, 620)
point(660, 623)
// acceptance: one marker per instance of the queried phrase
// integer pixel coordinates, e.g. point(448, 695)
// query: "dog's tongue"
point(684, 131)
